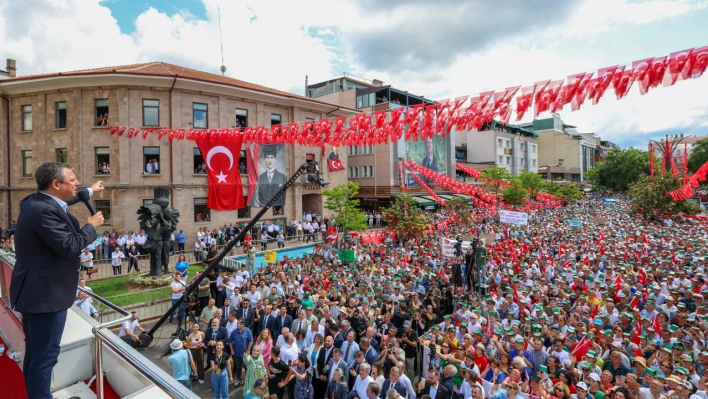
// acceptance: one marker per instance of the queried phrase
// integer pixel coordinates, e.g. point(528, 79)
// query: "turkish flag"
point(335, 164)
point(581, 348)
point(637, 332)
point(221, 158)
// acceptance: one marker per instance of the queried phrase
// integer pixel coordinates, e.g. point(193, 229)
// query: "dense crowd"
point(613, 309)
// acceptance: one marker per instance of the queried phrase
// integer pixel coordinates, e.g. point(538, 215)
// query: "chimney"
point(11, 68)
point(377, 83)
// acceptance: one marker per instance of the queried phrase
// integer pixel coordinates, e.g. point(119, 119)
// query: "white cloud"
point(275, 49)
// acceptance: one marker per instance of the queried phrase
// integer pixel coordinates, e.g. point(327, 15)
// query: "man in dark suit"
point(271, 180)
point(393, 383)
point(338, 336)
point(336, 362)
point(434, 388)
point(48, 241)
point(430, 161)
point(247, 314)
point(282, 320)
point(319, 380)
point(212, 335)
point(267, 321)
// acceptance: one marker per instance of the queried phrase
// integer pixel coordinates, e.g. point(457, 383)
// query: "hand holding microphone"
point(96, 220)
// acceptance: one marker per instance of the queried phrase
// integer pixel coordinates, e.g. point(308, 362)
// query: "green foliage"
point(531, 181)
point(514, 194)
point(699, 155)
point(649, 196)
point(462, 209)
point(405, 217)
point(568, 192)
point(620, 169)
point(347, 215)
point(494, 177)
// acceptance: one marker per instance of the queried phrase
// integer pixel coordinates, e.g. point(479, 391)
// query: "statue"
point(158, 220)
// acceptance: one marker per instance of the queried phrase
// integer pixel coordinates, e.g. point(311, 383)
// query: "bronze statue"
point(159, 220)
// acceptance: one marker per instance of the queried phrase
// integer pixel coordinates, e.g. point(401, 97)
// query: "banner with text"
point(448, 246)
point(513, 217)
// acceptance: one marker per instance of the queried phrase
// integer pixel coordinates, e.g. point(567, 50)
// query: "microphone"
point(86, 199)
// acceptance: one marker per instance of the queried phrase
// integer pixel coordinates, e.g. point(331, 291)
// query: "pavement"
point(157, 349)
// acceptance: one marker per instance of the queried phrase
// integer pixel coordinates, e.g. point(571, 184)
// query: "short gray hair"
point(365, 367)
point(392, 394)
point(48, 172)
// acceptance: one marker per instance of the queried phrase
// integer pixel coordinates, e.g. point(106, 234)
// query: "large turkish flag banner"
point(335, 164)
point(221, 158)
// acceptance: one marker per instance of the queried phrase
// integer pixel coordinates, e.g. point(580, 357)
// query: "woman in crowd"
point(277, 371)
point(181, 267)
point(104, 242)
point(303, 378)
point(221, 372)
point(117, 261)
point(265, 343)
point(313, 351)
point(255, 368)
point(195, 344)
point(300, 340)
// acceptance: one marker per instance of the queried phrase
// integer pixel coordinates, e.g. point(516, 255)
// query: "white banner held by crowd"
point(513, 217)
point(448, 246)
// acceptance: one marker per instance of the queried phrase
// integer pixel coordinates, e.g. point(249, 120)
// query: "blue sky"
point(442, 49)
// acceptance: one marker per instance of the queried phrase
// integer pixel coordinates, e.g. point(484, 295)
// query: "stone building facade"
point(54, 116)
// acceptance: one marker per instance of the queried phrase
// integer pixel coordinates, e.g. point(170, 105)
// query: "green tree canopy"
point(531, 181)
point(405, 217)
point(649, 196)
point(461, 207)
point(699, 155)
point(347, 215)
point(567, 192)
point(620, 169)
point(514, 194)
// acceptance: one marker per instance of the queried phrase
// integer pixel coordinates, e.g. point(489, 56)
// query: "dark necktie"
point(346, 354)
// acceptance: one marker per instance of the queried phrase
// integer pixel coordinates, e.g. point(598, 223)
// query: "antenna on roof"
point(223, 68)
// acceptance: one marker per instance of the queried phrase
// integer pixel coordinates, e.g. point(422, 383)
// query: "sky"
point(440, 49)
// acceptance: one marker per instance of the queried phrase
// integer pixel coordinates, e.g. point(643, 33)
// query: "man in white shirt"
point(178, 289)
point(289, 350)
point(361, 384)
point(232, 323)
point(253, 296)
point(86, 260)
point(128, 328)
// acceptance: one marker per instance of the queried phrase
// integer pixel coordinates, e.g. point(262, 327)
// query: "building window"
point(367, 149)
point(60, 114)
point(100, 106)
point(461, 153)
point(533, 147)
point(27, 164)
point(201, 212)
point(241, 118)
point(278, 210)
point(500, 143)
point(521, 146)
point(508, 160)
point(151, 112)
point(244, 213)
point(508, 143)
point(275, 119)
point(199, 115)
point(523, 161)
point(151, 160)
point(26, 118)
point(533, 162)
point(359, 102)
point(353, 172)
point(242, 168)
point(352, 150)
point(103, 160)
point(501, 159)
point(368, 171)
point(104, 206)
point(62, 155)
point(199, 165)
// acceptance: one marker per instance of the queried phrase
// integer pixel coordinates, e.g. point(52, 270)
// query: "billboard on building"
point(430, 153)
point(266, 173)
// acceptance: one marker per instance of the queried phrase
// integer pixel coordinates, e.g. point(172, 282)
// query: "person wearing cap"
point(182, 363)
point(409, 344)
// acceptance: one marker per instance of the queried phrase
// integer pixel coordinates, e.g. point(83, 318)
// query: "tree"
point(494, 179)
point(620, 169)
point(649, 196)
point(405, 217)
point(699, 155)
point(461, 208)
point(531, 181)
point(514, 194)
point(567, 192)
point(347, 215)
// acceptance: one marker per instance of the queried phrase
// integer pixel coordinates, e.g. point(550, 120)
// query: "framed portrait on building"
point(429, 153)
point(266, 173)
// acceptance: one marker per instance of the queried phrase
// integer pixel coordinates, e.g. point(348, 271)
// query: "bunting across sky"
point(465, 113)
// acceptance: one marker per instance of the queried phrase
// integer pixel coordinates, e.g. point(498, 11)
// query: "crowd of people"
point(611, 310)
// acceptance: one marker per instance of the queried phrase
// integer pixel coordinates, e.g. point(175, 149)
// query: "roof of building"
point(159, 68)
point(513, 129)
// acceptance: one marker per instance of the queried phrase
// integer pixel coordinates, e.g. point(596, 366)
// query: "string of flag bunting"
point(464, 113)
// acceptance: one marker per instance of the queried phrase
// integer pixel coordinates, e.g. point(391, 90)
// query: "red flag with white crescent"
point(335, 164)
point(221, 158)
